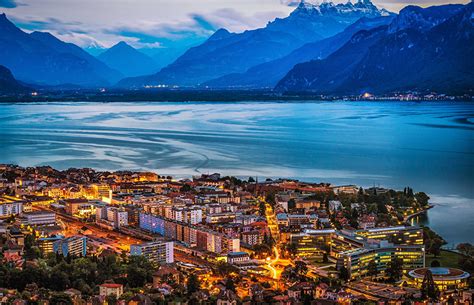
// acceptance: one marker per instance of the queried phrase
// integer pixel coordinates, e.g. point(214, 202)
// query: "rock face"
point(421, 50)
point(41, 58)
point(225, 53)
point(127, 60)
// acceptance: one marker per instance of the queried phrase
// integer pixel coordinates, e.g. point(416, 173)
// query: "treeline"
point(84, 274)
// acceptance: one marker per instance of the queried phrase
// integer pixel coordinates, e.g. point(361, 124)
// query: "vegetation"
point(84, 274)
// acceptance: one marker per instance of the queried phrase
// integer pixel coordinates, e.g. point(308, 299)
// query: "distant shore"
point(196, 95)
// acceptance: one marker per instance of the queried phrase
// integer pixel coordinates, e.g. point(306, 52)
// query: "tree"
point(291, 204)
point(372, 268)
point(300, 268)
point(435, 263)
point(230, 285)
point(60, 298)
point(251, 180)
point(428, 287)
point(344, 273)
point(422, 198)
point(193, 284)
point(466, 249)
point(111, 299)
point(395, 269)
point(262, 208)
point(292, 248)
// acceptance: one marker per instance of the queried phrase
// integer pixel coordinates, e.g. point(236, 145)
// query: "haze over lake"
point(428, 146)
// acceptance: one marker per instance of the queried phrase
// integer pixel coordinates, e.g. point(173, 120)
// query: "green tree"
point(372, 268)
point(60, 298)
point(230, 285)
point(193, 284)
point(428, 287)
point(343, 273)
point(422, 198)
point(111, 299)
point(395, 269)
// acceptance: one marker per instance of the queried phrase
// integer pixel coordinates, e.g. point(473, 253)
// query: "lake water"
point(428, 146)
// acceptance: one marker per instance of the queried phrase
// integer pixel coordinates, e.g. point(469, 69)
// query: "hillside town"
point(81, 236)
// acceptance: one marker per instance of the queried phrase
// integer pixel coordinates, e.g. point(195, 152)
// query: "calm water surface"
point(428, 146)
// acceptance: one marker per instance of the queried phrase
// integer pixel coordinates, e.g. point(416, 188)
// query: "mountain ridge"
point(225, 53)
point(41, 58)
point(426, 57)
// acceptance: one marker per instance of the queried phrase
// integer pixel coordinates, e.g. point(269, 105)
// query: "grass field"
point(446, 259)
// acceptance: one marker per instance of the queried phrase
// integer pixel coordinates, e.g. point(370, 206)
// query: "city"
point(81, 236)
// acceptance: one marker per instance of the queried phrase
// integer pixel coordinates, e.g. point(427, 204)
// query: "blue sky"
point(153, 23)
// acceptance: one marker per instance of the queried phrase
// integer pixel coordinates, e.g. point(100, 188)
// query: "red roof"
point(111, 285)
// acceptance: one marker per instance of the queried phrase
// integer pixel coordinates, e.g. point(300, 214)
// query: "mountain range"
point(421, 50)
point(41, 58)
point(325, 49)
point(268, 74)
point(225, 53)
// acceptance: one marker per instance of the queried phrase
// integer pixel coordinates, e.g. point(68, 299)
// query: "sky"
point(154, 23)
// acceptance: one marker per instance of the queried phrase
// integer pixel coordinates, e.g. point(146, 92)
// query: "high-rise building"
point(9, 208)
point(157, 252)
point(71, 246)
point(46, 244)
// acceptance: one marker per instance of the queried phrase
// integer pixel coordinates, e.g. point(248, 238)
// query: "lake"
point(428, 146)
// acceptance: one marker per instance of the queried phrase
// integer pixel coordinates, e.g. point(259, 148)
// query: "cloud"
point(9, 3)
point(142, 23)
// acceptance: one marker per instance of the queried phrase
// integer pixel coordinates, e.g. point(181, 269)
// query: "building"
point(111, 289)
point(157, 252)
point(9, 208)
point(252, 238)
point(39, 218)
point(402, 235)
point(357, 261)
point(444, 278)
point(71, 246)
point(118, 217)
point(237, 257)
point(79, 207)
point(312, 243)
point(45, 244)
point(220, 217)
point(15, 235)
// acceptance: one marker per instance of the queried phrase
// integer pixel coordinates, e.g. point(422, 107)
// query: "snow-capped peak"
point(363, 7)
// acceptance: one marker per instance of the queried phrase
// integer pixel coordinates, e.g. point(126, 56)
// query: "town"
point(81, 236)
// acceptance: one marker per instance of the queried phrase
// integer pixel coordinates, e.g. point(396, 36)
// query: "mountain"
point(127, 60)
point(421, 50)
point(41, 58)
point(8, 84)
point(225, 53)
point(268, 74)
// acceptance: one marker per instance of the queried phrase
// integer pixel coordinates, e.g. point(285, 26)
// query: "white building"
point(157, 252)
point(10, 208)
point(39, 218)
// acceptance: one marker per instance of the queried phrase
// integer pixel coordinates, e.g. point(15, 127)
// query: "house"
point(298, 290)
point(165, 274)
point(111, 289)
point(227, 297)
